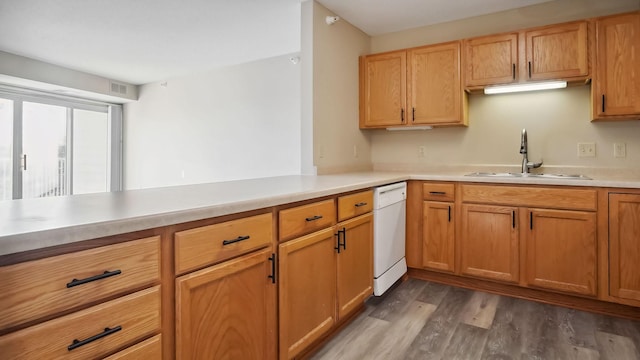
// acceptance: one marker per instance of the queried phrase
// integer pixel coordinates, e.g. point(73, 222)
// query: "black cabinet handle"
point(360, 204)
point(413, 114)
point(402, 115)
point(344, 238)
point(272, 258)
point(78, 343)
point(338, 241)
point(531, 220)
point(449, 213)
point(437, 193)
point(513, 219)
point(602, 102)
point(239, 238)
point(529, 69)
point(106, 274)
point(313, 218)
point(514, 71)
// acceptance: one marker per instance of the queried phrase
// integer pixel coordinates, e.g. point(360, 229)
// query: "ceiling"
point(143, 41)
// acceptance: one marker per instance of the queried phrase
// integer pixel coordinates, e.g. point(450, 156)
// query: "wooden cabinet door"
point(307, 290)
point(435, 90)
point(489, 242)
point(561, 251)
point(355, 263)
point(557, 52)
point(438, 236)
point(624, 246)
point(491, 60)
point(616, 86)
point(228, 311)
point(383, 92)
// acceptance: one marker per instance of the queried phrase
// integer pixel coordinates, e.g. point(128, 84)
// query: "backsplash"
point(556, 121)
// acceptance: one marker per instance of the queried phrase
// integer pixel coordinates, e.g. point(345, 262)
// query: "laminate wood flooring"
point(424, 320)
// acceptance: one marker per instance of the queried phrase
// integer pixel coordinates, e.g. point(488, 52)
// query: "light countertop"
point(43, 222)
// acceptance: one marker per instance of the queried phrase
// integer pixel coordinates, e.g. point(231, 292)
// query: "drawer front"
point(306, 219)
point(148, 349)
point(111, 325)
point(438, 191)
point(353, 205)
point(206, 245)
point(41, 288)
point(545, 197)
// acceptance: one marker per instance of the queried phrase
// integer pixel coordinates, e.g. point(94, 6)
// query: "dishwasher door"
point(389, 216)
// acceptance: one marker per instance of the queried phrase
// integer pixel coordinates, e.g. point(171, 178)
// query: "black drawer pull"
point(437, 193)
point(360, 204)
point(106, 274)
point(77, 343)
point(239, 238)
point(313, 218)
point(602, 102)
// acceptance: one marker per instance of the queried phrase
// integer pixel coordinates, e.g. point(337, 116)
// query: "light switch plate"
point(586, 149)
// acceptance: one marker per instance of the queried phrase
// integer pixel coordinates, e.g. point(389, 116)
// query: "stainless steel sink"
point(521, 175)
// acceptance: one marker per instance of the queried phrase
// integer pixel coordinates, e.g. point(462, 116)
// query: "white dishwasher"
point(389, 213)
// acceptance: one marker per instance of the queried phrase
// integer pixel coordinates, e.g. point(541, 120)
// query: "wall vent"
point(118, 88)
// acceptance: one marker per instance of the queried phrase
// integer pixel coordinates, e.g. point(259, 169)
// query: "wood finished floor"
point(424, 320)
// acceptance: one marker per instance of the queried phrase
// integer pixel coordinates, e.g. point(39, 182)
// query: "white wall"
point(230, 123)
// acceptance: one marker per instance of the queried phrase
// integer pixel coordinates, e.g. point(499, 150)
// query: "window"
point(52, 146)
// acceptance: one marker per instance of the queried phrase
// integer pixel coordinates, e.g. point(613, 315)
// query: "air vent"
point(118, 88)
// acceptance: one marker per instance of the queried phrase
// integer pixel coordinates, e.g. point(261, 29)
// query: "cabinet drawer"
point(307, 218)
point(148, 349)
point(438, 191)
point(112, 326)
point(41, 288)
point(353, 205)
point(206, 245)
point(546, 197)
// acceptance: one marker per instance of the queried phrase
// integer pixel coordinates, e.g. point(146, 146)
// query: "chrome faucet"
point(526, 164)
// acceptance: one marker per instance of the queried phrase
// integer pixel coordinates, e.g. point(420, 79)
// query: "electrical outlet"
point(422, 151)
point(355, 151)
point(619, 150)
point(321, 152)
point(586, 150)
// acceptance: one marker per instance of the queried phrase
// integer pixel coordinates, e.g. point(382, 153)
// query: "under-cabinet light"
point(548, 85)
point(410, 128)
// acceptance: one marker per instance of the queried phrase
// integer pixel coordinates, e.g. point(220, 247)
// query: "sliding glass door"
point(53, 148)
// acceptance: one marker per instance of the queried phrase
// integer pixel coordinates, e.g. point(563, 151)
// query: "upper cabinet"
point(616, 81)
point(491, 60)
point(420, 86)
point(557, 52)
point(383, 83)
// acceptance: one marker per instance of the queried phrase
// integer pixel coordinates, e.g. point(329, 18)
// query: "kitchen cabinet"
point(327, 274)
point(438, 215)
point(434, 92)
point(419, 86)
point(616, 83)
point(228, 308)
point(490, 242)
point(308, 274)
point(491, 60)
point(228, 311)
point(98, 301)
point(557, 52)
point(559, 235)
point(624, 246)
point(383, 84)
point(561, 251)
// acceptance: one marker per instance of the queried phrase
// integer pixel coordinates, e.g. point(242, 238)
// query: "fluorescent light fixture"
point(502, 89)
point(402, 128)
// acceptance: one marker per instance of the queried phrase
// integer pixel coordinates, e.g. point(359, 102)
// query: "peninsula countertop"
point(44, 222)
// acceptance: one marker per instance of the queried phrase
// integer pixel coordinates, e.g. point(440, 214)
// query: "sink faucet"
point(526, 164)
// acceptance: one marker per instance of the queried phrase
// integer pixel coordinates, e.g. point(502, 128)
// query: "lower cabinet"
point(228, 311)
point(307, 290)
point(489, 242)
point(561, 251)
point(624, 246)
point(438, 236)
